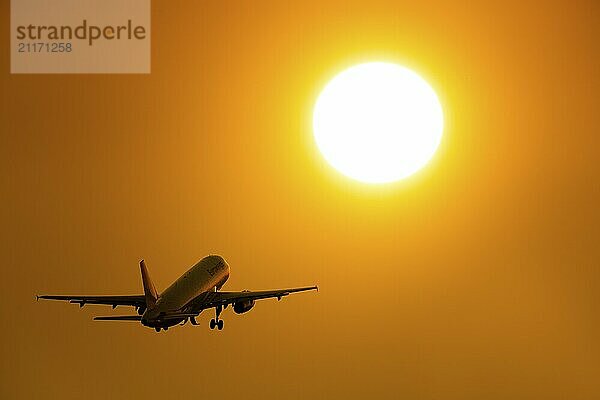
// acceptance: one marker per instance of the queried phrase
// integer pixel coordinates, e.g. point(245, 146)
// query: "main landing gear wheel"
point(216, 322)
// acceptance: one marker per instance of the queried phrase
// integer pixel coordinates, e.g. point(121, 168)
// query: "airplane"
point(196, 290)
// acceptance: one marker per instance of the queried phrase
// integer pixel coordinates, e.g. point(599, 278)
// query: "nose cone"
point(226, 265)
point(217, 261)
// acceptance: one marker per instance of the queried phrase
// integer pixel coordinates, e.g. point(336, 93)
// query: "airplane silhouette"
point(196, 290)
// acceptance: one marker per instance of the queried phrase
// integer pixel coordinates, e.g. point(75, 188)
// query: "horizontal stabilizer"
point(135, 300)
point(119, 318)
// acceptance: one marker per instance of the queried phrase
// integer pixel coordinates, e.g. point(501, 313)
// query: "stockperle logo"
point(80, 36)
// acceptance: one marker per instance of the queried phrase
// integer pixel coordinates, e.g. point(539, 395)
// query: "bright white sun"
point(378, 122)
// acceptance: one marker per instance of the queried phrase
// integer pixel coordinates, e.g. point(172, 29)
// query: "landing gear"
point(216, 322)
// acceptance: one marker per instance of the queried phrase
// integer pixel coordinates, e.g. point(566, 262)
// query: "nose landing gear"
point(216, 322)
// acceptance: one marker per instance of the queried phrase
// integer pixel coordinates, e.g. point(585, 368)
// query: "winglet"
point(150, 292)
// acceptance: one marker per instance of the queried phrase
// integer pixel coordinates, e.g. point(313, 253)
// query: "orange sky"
point(477, 278)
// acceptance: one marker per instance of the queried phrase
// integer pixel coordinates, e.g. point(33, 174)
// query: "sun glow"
point(377, 122)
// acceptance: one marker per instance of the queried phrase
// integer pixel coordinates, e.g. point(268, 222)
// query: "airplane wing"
point(215, 299)
point(114, 301)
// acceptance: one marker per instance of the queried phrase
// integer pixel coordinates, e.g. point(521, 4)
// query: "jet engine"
point(240, 307)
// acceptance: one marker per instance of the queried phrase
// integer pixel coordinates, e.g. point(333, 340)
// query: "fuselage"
point(206, 275)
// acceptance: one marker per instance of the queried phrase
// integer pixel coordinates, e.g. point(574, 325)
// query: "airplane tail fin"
point(149, 289)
